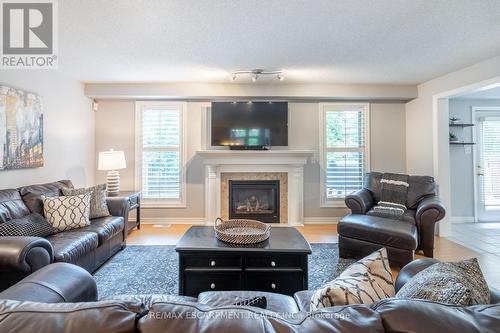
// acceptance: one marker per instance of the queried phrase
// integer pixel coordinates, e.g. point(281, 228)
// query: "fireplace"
point(255, 199)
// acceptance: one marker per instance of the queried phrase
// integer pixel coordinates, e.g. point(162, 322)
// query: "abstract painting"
point(21, 129)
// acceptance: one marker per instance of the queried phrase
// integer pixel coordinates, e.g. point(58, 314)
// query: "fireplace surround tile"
point(281, 176)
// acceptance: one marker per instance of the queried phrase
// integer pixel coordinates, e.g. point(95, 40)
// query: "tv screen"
point(250, 124)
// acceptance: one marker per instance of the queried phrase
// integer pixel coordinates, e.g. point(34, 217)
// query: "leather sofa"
point(88, 247)
point(361, 233)
point(62, 298)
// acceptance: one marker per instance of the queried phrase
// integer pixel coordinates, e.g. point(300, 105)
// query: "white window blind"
point(345, 149)
point(160, 149)
point(491, 162)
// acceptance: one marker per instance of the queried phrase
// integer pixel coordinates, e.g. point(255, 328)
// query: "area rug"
point(142, 269)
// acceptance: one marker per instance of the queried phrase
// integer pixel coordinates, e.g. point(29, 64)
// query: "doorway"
point(487, 163)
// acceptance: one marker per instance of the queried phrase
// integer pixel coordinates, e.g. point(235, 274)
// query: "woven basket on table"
point(241, 231)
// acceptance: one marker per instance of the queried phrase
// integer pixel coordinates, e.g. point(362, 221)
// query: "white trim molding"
point(182, 107)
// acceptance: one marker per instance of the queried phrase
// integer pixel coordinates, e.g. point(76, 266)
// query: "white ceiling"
point(348, 41)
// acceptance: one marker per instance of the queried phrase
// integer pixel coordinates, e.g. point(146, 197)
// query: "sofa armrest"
point(360, 201)
point(21, 256)
point(55, 283)
point(429, 212)
point(494, 296)
point(118, 206)
point(411, 269)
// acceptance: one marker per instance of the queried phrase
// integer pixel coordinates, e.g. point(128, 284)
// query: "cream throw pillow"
point(364, 282)
point(66, 213)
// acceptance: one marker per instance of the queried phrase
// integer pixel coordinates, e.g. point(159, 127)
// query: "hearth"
point(255, 199)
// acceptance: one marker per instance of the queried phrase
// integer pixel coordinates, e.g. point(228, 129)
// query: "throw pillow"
point(364, 282)
point(98, 204)
point(66, 213)
point(258, 302)
point(458, 283)
point(32, 225)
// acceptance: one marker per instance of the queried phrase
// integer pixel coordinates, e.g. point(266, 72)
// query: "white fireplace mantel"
point(249, 161)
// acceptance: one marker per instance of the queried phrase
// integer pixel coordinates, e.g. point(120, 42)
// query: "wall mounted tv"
point(249, 125)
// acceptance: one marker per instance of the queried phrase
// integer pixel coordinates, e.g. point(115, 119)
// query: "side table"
point(134, 199)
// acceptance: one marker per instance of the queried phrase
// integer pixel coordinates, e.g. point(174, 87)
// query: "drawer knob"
point(273, 286)
point(212, 263)
point(273, 263)
point(212, 286)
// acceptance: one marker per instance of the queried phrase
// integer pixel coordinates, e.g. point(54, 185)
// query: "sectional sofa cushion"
point(66, 213)
point(33, 225)
point(364, 282)
point(458, 283)
point(71, 246)
point(105, 227)
point(98, 205)
point(32, 194)
point(11, 205)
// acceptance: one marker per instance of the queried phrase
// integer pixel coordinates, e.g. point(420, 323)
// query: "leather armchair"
point(399, 237)
point(21, 256)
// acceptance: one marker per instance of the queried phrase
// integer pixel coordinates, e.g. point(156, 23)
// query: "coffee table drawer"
point(277, 282)
point(197, 282)
point(212, 261)
point(274, 261)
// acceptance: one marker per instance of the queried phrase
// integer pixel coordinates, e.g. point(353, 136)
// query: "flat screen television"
point(249, 125)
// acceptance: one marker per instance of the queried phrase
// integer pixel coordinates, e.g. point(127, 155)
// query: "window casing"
point(160, 153)
point(344, 150)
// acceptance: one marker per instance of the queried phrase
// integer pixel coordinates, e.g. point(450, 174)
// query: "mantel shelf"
point(256, 157)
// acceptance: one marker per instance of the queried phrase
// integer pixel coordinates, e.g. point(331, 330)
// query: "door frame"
point(474, 111)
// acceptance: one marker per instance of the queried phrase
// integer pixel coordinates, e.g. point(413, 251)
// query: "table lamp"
point(112, 161)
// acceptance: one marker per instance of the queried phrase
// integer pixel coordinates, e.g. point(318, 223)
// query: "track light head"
point(234, 77)
point(255, 77)
point(280, 77)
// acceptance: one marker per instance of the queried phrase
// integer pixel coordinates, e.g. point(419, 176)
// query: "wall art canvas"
point(21, 129)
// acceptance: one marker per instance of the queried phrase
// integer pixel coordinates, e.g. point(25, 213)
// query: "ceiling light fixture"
point(257, 73)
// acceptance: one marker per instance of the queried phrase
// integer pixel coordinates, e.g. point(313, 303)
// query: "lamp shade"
point(111, 160)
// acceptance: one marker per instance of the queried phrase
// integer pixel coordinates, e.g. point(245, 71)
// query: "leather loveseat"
point(361, 233)
point(88, 247)
point(45, 302)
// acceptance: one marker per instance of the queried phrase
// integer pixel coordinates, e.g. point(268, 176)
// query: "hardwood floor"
point(445, 249)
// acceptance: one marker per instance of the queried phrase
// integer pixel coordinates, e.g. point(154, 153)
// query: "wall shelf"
point(462, 125)
point(462, 143)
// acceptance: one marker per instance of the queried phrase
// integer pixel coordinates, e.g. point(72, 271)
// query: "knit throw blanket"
point(393, 198)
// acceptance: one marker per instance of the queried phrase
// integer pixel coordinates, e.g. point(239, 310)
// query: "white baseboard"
point(462, 219)
point(173, 220)
point(322, 220)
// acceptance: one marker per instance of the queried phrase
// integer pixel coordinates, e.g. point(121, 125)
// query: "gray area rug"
point(143, 269)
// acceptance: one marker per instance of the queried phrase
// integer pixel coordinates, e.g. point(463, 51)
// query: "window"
point(344, 150)
point(160, 171)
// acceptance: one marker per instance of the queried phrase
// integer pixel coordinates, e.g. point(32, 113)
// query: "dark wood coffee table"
point(278, 264)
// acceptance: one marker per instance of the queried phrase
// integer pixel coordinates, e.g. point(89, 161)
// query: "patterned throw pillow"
point(98, 204)
point(66, 213)
point(458, 283)
point(364, 282)
point(32, 225)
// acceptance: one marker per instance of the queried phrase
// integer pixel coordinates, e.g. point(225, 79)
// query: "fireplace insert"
point(255, 199)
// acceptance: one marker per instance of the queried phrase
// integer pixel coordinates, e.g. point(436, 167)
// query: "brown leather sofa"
point(62, 298)
point(361, 233)
point(88, 247)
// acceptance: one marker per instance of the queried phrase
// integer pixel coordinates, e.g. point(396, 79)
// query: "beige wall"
point(115, 129)
point(68, 129)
